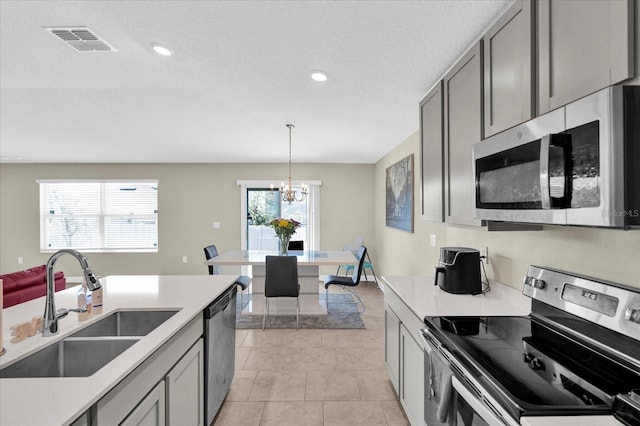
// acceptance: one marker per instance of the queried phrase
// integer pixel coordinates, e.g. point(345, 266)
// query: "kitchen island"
point(63, 400)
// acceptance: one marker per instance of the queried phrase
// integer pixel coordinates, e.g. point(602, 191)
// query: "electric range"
point(577, 353)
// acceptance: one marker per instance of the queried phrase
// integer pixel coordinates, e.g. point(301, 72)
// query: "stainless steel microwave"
point(576, 165)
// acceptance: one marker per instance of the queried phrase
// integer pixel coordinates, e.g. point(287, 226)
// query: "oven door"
point(452, 396)
point(471, 409)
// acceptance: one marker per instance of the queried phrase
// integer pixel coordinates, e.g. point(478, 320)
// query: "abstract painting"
point(399, 186)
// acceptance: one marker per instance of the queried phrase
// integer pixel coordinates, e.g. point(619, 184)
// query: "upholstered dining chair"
point(243, 281)
point(348, 283)
point(281, 280)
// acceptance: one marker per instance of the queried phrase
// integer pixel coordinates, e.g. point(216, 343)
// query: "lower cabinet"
point(404, 354)
point(185, 389)
point(176, 400)
point(412, 384)
point(151, 411)
point(391, 346)
point(166, 389)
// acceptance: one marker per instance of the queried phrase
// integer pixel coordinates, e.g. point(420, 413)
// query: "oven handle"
point(478, 407)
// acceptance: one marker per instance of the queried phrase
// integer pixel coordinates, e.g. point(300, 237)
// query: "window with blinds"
point(99, 216)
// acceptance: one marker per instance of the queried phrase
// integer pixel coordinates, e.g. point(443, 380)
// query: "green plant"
point(258, 215)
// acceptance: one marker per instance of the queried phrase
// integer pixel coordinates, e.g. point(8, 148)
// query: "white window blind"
point(99, 216)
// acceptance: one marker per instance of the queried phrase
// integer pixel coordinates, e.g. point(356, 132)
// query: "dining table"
point(309, 263)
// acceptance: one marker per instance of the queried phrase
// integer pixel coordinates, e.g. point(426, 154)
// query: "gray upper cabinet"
point(508, 69)
point(636, 80)
point(463, 128)
point(583, 47)
point(431, 151)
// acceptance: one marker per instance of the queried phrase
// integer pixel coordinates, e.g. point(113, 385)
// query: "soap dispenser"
point(84, 302)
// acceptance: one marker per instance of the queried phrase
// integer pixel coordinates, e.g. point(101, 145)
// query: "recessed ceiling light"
point(319, 75)
point(161, 50)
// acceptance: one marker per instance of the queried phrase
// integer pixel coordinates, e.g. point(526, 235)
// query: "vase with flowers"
point(284, 229)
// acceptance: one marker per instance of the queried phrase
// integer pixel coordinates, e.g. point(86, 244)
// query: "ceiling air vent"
point(81, 39)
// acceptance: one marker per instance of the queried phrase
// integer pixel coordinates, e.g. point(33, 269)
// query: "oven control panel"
point(614, 306)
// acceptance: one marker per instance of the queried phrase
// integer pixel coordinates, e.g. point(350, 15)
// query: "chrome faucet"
point(51, 316)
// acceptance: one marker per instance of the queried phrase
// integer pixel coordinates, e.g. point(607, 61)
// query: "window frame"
point(103, 216)
point(313, 209)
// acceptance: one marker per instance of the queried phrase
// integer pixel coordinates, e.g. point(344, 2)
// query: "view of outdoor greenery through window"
point(264, 205)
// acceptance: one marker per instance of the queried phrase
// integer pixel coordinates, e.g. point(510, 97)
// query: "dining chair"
point(281, 280)
point(296, 245)
point(367, 265)
point(348, 269)
point(348, 283)
point(243, 281)
point(353, 247)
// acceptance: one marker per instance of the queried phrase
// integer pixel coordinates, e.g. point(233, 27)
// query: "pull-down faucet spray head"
point(51, 316)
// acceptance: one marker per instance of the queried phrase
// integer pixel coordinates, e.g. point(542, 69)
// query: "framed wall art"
point(399, 194)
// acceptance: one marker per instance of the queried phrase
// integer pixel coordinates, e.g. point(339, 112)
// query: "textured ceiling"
point(240, 73)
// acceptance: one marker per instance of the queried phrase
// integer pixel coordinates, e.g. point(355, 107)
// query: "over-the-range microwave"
point(576, 165)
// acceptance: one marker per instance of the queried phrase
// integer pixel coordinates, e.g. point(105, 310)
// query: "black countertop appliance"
point(458, 270)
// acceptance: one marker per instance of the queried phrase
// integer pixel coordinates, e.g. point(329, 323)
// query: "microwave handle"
point(545, 192)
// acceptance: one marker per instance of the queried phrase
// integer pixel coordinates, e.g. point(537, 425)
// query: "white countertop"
point(58, 401)
point(425, 299)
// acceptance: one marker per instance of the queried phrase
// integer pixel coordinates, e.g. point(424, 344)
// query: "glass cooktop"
point(532, 368)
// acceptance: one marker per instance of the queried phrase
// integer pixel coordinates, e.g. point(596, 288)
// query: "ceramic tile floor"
point(314, 377)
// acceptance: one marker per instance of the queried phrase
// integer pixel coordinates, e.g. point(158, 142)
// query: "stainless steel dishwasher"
point(219, 350)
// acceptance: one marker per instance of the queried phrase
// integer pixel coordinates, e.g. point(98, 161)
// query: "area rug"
point(343, 314)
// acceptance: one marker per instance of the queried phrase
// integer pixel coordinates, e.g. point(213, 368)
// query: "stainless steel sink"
point(90, 349)
point(71, 357)
point(126, 323)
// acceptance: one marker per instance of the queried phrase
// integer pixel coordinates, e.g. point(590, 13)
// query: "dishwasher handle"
point(221, 303)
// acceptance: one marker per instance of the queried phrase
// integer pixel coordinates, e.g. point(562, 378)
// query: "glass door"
point(264, 205)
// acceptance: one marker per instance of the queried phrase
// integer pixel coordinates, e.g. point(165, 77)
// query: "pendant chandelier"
point(288, 193)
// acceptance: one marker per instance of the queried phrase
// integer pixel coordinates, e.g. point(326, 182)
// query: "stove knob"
point(533, 362)
point(538, 284)
point(536, 364)
point(632, 314)
point(534, 282)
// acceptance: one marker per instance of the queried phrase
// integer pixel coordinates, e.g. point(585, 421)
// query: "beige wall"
point(605, 253)
point(190, 198)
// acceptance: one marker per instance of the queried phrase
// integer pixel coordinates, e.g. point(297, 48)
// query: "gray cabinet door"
point(583, 46)
point(431, 153)
point(150, 411)
point(463, 128)
point(392, 346)
point(412, 385)
point(185, 389)
point(508, 69)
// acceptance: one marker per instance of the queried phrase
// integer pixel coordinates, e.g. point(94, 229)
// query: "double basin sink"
point(88, 350)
